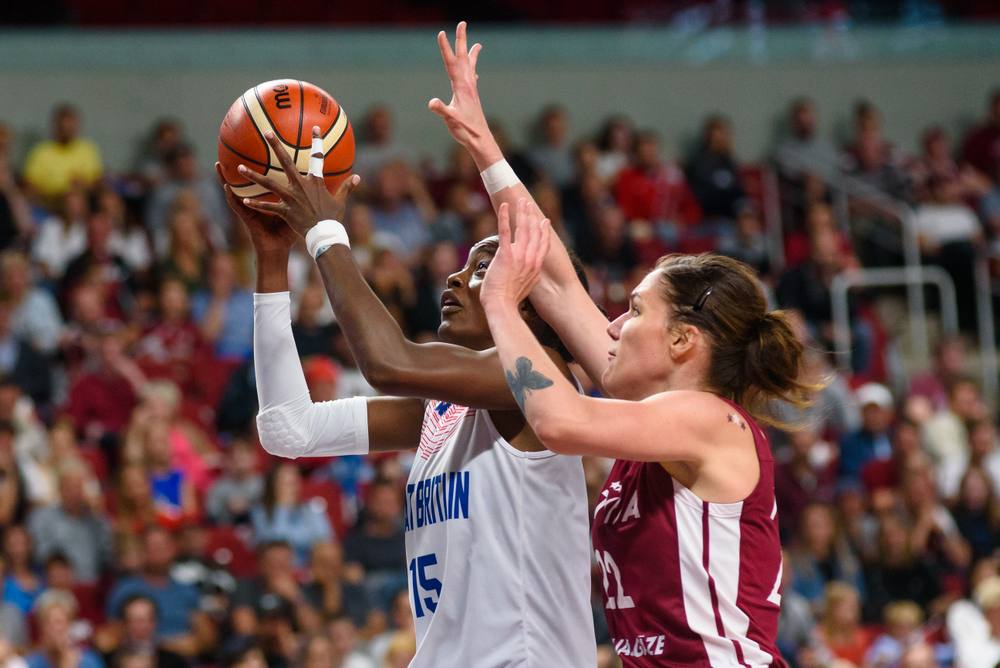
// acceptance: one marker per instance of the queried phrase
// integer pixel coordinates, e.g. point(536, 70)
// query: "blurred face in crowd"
point(966, 402)
point(319, 653)
point(160, 550)
point(137, 660)
point(16, 275)
point(59, 575)
point(379, 125)
point(99, 230)
point(611, 228)
point(242, 459)
point(72, 492)
point(400, 611)
point(919, 656)
point(393, 183)
point(359, 224)
point(647, 151)
point(173, 301)
point(134, 487)
point(803, 120)
point(7, 461)
point(327, 560)
point(875, 419)
point(982, 439)
point(586, 158)
point(442, 260)
point(905, 440)
point(55, 622)
point(343, 635)
point(159, 452)
point(554, 126)
point(894, 545)
point(825, 249)
point(276, 561)
point(817, 528)
point(139, 619)
point(718, 136)
point(974, 492)
point(950, 358)
point(384, 503)
point(74, 205)
point(10, 393)
point(252, 659)
point(619, 136)
point(936, 145)
point(288, 481)
point(65, 125)
point(222, 276)
point(184, 165)
point(17, 547)
point(845, 609)
point(185, 232)
point(463, 320)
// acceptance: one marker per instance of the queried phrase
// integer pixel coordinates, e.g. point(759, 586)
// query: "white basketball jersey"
point(498, 549)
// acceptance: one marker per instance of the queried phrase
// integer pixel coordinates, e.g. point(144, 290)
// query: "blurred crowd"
point(142, 524)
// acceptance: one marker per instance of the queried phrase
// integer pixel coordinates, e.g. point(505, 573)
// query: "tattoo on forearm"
point(523, 379)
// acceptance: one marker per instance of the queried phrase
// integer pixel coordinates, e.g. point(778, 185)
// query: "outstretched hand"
point(304, 199)
point(267, 233)
point(464, 114)
point(517, 266)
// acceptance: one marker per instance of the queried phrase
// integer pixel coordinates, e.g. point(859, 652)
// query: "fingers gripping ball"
point(290, 109)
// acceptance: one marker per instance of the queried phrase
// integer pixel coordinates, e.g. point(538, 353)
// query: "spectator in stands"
point(56, 611)
point(100, 266)
point(281, 514)
point(840, 630)
point(981, 147)
point(614, 142)
point(20, 361)
point(173, 347)
point(180, 626)
point(183, 175)
point(393, 283)
point(312, 331)
point(714, 175)
point(821, 555)
point(172, 488)
point(872, 440)
point(13, 495)
point(402, 208)
point(62, 235)
point(550, 154)
point(274, 586)
point(376, 543)
point(34, 314)
point(330, 592)
point(440, 261)
point(937, 162)
point(240, 488)
point(101, 399)
point(933, 534)
point(224, 311)
point(134, 506)
point(949, 364)
point(187, 250)
point(974, 626)
point(983, 453)
point(977, 513)
point(655, 190)
point(13, 628)
point(949, 233)
point(899, 572)
point(75, 527)
point(808, 474)
point(130, 239)
point(378, 145)
point(884, 473)
point(22, 586)
point(16, 224)
point(151, 163)
point(902, 621)
point(748, 243)
point(945, 435)
point(53, 167)
point(139, 622)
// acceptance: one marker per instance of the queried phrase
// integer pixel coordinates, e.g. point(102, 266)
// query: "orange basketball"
point(290, 109)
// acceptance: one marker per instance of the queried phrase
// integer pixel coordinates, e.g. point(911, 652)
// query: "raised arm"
point(389, 361)
point(559, 297)
point(564, 420)
point(289, 423)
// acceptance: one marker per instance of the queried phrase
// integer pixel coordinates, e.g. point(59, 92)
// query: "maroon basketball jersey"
point(686, 582)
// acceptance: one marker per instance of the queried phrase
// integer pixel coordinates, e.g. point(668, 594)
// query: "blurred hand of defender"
point(267, 234)
point(464, 114)
point(304, 199)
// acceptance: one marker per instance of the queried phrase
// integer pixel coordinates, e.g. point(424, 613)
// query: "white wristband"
point(498, 176)
point(324, 234)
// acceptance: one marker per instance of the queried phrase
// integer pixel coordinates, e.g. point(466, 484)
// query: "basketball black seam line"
point(241, 155)
point(302, 112)
point(274, 128)
point(260, 134)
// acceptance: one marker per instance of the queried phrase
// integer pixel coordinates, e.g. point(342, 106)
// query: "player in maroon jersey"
point(686, 528)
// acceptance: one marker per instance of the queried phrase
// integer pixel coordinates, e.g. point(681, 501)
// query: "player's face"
point(463, 320)
point(638, 360)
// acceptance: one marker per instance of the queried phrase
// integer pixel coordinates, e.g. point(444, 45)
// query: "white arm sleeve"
point(289, 423)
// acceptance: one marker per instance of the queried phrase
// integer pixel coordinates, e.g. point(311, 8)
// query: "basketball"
point(290, 109)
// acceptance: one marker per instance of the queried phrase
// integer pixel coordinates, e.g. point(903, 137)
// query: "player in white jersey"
point(496, 526)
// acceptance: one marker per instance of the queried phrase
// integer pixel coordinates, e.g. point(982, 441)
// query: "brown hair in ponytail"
point(755, 355)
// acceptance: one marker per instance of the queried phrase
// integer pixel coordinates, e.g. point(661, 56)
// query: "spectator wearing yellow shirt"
point(54, 166)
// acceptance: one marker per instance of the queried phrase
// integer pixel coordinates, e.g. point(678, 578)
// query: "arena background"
point(889, 496)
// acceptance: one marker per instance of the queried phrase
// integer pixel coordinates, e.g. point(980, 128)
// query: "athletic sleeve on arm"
point(289, 423)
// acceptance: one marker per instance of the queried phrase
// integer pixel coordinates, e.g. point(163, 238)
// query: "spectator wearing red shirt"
point(101, 399)
point(655, 190)
point(981, 147)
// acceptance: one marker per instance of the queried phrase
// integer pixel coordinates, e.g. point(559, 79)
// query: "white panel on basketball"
point(335, 133)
